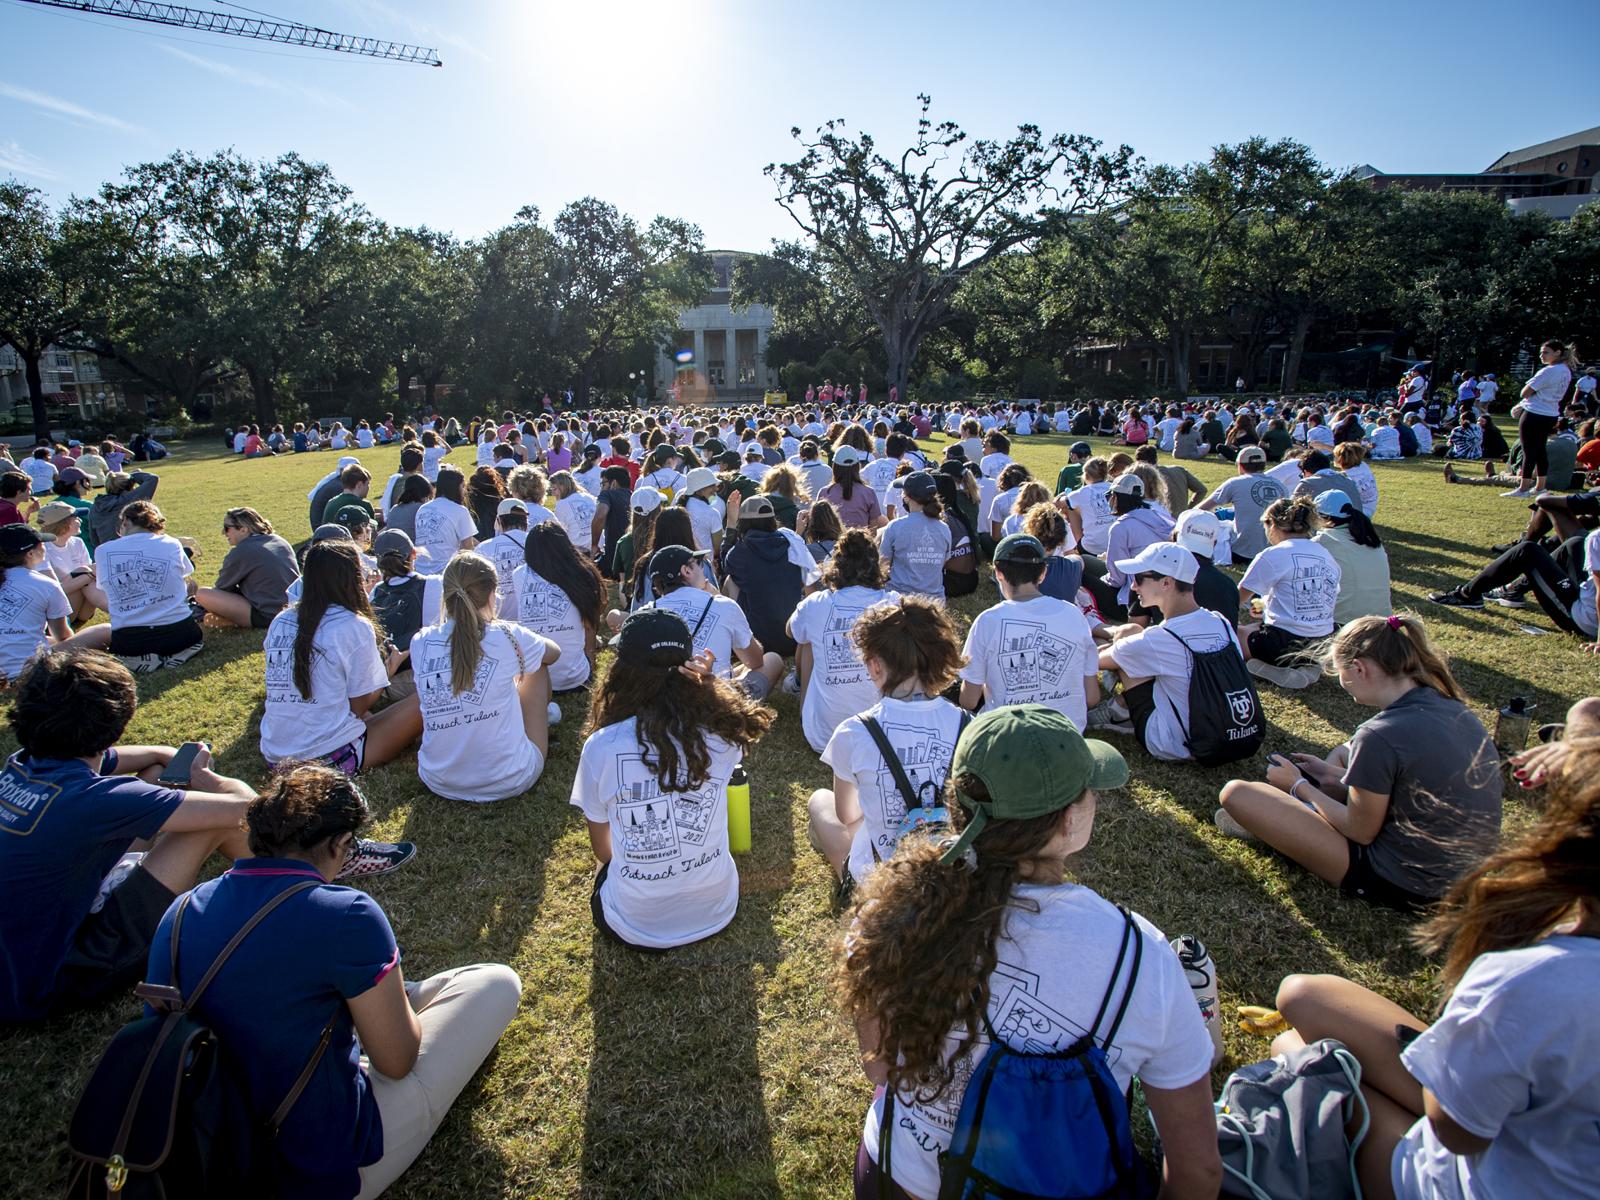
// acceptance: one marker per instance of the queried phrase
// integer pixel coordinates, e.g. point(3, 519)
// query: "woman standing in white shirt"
point(434, 448)
point(484, 690)
point(324, 672)
point(144, 575)
point(1540, 411)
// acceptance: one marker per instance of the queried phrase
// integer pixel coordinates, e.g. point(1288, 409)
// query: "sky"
point(675, 106)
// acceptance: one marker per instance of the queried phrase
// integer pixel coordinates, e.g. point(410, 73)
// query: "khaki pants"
point(463, 1013)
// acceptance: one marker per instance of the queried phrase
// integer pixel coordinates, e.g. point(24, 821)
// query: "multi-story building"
point(720, 352)
point(1555, 177)
point(75, 387)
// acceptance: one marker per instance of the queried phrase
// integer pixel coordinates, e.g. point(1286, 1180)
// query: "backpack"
point(166, 1113)
point(1281, 1125)
point(1226, 723)
point(1050, 1126)
point(399, 609)
point(922, 812)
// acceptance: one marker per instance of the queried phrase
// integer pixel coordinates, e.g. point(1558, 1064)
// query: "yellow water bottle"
point(739, 811)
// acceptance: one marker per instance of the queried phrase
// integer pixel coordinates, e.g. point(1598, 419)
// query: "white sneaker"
point(1293, 678)
point(553, 713)
point(1517, 493)
point(791, 683)
point(1224, 821)
point(1109, 717)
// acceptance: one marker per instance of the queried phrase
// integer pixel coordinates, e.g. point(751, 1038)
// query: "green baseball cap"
point(1032, 761)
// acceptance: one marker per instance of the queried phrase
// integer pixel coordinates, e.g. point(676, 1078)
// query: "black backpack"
point(399, 609)
point(166, 1113)
point(1226, 723)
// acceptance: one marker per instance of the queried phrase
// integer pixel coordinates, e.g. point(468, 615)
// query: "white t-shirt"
point(505, 551)
point(1583, 608)
point(364, 439)
point(386, 500)
point(474, 745)
point(839, 686)
point(1155, 653)
point(1320, 435)
point(723, 630)
point(42, 471)
point(27, 600)
point(1287, 473)
point(1167, 429)
point(1000, 507)
point(879, 474)
point(993, 464)
point(1549, 386)
point(486, 445)
point(1514, 1059)
point(442, 525)
point(1367, 484)
point(550, 612)
point(923, 734)
point(1385, 442)
point(671, 879)
point(1092, 503)
point(1053, 969)
point(240, 438)
point(1299, 580)
point(431, 458)
point(344, 664)
point(576, 514)
point(142, 576)
point(704, 518)
point(1036, 651)
point(64, 560)
point(665, 480)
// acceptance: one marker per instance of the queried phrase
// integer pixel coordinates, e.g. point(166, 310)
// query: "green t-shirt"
point(1276, 443)
point(346, 500)
point(1070, 478)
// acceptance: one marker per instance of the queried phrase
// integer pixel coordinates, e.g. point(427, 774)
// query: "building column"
point(700, 354)
point(761, 360)
point(730, 359)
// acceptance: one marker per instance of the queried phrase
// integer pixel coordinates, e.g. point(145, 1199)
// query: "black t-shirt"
point(619, 513)
point(1214, 590)
point(770, 586)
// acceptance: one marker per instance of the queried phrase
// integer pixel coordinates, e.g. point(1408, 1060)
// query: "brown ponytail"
point(469, 585)
point(1398, 645)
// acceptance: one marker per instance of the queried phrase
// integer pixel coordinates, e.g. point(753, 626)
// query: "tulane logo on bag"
point(1243, 704)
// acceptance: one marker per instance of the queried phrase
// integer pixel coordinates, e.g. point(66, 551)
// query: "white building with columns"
point(729, 345)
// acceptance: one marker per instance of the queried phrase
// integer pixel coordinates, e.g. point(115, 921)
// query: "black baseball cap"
point(919, 486)
point(1080, 448)
point(654, 637)
point(17, 538)
point(667, 563)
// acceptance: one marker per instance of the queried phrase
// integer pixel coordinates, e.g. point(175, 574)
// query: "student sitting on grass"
point(33, 609)
point(915, 546)
point(1063, 572)
point(1030, 648)
point(561, 596)
point(145, 577)
point(324, 673)
point(1500, 1095)
point(718, 624)
point(1348, 535)
point(484, 689)
point(762, 578)
point(253, 582)
point(1298, 581)
point(665, 734)
point(72, 930)
point(1564, 584)
point(912, 653)
point(1395, 814)
point(444, 524)
point(950, 949)
point(398, 1053)
point(68, 559)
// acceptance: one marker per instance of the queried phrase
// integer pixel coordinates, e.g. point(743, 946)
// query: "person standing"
point(1538, 413)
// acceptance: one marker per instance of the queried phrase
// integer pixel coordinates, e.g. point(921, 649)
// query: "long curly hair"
point(675, 715)
point(924, 941)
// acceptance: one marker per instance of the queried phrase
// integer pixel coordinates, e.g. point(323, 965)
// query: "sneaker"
point(1454, 598)
point(1517, 493)
point(1449, 477)
point(1506, 598)
point(1502, 547)
point(1109, 717)
point(182, 656)
point(1224, 821)
point(553, 713)
point(141, 664)
point(791, 682)
point(1293, 678)
point(369, 858)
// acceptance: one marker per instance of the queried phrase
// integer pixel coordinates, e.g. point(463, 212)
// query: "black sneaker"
point(368, 858)
point(1454, 598)
point(1507, 597)
point(1502, 547)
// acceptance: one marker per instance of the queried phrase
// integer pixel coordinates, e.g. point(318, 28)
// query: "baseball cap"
point(330, 532)
point(646, 499)
point(591, 451)
point(1128, 484)
point(753, 450)
point(72, 475)
point(698, 480)
point(352, 516)
point(1331, 503)
point(1162, 558)
point(1080, 448)
point(755, 508)
point(19, 539)
point(392, 541)
point(919, 485)
point(1197, 531)
point(510, 505)
point(1032, 761)
point(1249, 454)
point(1021, 548)
point(654, 637)
point(668, 562)
point(729, 460)
point(56, 512)
point(848, 456)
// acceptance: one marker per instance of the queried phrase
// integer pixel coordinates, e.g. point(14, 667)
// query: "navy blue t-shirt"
point(271, 1000)
point(63, 825)
point(1063, 576)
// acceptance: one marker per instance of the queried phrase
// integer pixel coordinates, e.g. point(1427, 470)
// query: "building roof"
point(1587, 137)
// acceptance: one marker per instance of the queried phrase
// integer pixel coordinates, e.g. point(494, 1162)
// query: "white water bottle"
point(1202, 976)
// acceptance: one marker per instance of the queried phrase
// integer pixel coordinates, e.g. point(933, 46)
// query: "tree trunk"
point(1297, 349)
point(261, 386)
point(402, 386)
point(900, 348)
point(1178, 360)
point(580, 392)
point(41, 418)
point(429, 382)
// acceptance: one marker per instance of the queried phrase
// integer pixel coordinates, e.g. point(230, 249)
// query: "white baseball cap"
point(848, 456)
point(1162, 558)
point(646, 499)
point(1197, 530)
point(510, 505)
point(1128, 484)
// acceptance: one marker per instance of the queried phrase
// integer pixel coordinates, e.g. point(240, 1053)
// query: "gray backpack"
point(1281, 1126)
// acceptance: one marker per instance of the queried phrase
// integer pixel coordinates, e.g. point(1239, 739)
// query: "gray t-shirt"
point(1249, 495)
point(260, 569)
point(1329, 481)
point(403, 516)
point(916, 547)
point(1431, 756)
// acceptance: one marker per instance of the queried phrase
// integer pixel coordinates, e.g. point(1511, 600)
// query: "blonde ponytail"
point(1568, 352)
point(469, 586)
point(1398, 645)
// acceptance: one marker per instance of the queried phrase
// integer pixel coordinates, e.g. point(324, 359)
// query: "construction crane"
point(288, 32)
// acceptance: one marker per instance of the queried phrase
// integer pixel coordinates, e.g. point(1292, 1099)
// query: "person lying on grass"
point(1500, 1095)
point(1395, 814)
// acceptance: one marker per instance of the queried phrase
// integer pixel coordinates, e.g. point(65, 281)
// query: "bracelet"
point(1293, 792)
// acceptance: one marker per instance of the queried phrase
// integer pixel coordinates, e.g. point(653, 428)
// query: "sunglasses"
point(1147, 576)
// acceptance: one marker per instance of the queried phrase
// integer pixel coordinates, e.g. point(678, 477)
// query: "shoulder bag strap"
point(706, 612)
point(522, 663)
point(892, 760)
point(1116, 972)
point(281, 1113)
point(1130, 930)
point(885, 1140)
point(233, 943)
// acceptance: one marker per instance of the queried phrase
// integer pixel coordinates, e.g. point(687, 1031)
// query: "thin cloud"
point(18, 161)
point(66, 108)
point(254, 79)
point(431, 34)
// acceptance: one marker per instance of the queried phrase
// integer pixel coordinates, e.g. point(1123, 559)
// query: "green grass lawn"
point(725, 1070)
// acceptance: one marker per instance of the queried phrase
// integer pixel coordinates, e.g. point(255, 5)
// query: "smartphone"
point(178, 771)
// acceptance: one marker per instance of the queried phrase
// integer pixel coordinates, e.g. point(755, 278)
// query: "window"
point(1561, 168)
point(63, 362)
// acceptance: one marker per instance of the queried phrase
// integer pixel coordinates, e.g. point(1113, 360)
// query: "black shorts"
point(598, 912)
point(1364, 883)
point(1272, 644)
point(134, 640)
point(110, 950)
point(260, 618)
point(1141, 702)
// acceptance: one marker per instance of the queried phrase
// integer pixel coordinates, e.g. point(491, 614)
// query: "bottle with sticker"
point(1202, 975)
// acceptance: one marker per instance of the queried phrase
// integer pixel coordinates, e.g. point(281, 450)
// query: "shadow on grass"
point(222, 647)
